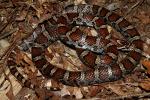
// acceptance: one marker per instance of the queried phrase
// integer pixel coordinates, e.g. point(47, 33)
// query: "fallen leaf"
point(93, 90)
point(146, 64)
point(144, 17)
point(117, 89)
point(77, 93)
point(145, 84)
point(64, 91)
point(10, 94)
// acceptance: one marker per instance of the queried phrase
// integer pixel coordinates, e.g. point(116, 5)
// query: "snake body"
point(96, 52)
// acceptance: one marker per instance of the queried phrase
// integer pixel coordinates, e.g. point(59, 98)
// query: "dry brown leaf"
point(55, 97)
point(55, 85)
point(25, 94)
point(144, 17)
point(146, 63)
point(117, 89)
point(22, 15)
point(77, 93)
point(10, 94)
point(65, 91)
point(145, 84)
point(71, 91)
point(93, 90)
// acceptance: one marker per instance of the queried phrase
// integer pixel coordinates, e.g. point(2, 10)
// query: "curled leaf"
point(146, 64)
point(145, 84)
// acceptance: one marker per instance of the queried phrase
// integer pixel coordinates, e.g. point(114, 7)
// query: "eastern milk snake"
point(96, 52)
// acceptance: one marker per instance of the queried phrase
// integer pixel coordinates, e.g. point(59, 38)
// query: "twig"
point(134, 6)
point(5, 34)
point(139, 95)
point(5, 6)
point(10, 19)
point(12, 46)
point(7, 78)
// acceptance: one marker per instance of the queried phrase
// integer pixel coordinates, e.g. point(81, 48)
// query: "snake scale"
point(96, 52)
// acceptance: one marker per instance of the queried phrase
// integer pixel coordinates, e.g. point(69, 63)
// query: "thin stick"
point(11, 19)
point(139, 95)
point(134, 6)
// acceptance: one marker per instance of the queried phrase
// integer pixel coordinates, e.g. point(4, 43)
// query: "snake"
point(96, 52)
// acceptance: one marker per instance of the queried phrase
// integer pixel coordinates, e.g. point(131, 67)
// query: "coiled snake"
point(96, 52)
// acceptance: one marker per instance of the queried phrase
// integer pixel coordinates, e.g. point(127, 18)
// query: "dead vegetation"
point(18, 19)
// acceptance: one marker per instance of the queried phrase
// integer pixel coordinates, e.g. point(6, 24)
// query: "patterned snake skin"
point(96, 52)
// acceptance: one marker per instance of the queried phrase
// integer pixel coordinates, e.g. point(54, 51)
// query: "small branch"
point(134, 6)
point(139, 95)
point(12, 46)
point(10, 19)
